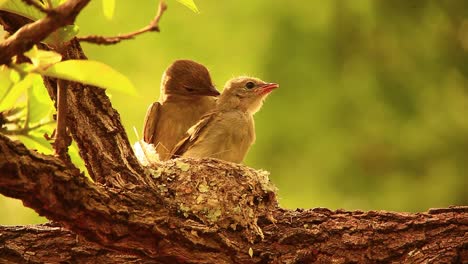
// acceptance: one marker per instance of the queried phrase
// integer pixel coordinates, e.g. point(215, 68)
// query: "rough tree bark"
point(189, 211)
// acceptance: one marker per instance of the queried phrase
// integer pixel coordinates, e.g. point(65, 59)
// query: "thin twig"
point(40, 125)
point(61, 140)
point(49, 3)
point(153, 26)
point(28, 111)
point(38, 6)
point(25, 131)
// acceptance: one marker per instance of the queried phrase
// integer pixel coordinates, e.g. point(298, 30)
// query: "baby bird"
point(228, 132)
point(187, 93)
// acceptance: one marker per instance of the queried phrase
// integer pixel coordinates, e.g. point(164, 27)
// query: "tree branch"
point(100, 136)
point(153, 26)
point(53, 244)
point(92, 121)
point(25, 131)
point(33, 33)
point(156, 219)
point(134, 219)
point(62, 138)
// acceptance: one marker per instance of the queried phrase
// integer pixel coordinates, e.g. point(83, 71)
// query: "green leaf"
point(2, 2)
point(77, 160)
point(5, 81)
point(39, 91)
point(17, 95)
point(108, 7)
point(47, 128)
point(92, 73)
point(39, 105)
point(14, 76)
point(62, 35)
point(190, 4)
point(42, 59)
point(20, 8)
point(24, 68)
point(56, 3)
point(36, 141)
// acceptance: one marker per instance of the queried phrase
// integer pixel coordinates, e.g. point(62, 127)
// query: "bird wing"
point(192, 135)
point(151, 120)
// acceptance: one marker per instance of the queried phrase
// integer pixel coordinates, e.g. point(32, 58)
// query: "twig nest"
point(217, 193)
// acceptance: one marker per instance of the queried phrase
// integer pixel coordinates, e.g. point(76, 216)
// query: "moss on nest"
point(218, 193)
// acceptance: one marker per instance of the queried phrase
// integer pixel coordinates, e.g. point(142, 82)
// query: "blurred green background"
point(372, 112)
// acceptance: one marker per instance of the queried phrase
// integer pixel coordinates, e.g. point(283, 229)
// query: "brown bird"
point(186, 95)
point(228, 132)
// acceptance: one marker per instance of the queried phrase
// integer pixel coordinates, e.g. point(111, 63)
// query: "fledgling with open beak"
point(228, 132)
point(187, 93)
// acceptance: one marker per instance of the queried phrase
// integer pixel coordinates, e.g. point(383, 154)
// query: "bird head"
point(246, 93)
point(186, 77)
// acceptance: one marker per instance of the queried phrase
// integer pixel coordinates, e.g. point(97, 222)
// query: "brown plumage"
point(228, 132)
point(186, 95)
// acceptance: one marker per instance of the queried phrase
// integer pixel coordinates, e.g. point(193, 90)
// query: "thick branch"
point(47, 185)
point(54, 244)
point(33, 33)
point(140, 220)
point(96, 127)
point(92, 122)
point(133, 219)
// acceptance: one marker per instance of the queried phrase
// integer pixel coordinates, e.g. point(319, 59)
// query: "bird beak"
point(211, 91)
point(268, 87)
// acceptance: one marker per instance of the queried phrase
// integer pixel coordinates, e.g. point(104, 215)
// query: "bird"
point(228, 131)
point(187, 94)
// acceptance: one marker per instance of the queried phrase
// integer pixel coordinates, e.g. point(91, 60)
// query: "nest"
point(217, 193)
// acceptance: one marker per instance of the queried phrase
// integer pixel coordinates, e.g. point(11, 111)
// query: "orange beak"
point(268, 87)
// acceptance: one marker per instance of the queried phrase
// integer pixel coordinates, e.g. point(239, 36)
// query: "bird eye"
point(249, 85)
